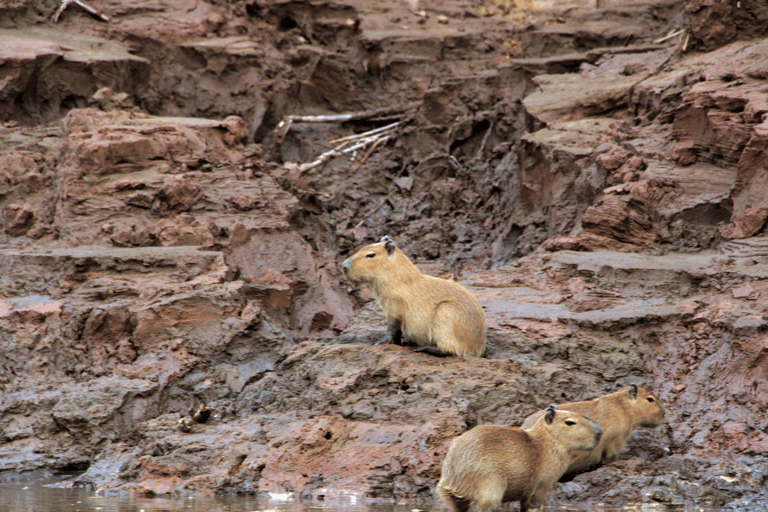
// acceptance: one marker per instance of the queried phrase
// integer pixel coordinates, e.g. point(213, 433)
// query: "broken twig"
point(684, 47)
point(365, 134)
point(368, 153)
point(339, 151)
point(344, 145)
point(285, 125)
point(669, 36)
point(82, 5)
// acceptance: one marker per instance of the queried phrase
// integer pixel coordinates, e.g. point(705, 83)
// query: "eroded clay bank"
point(594, 175)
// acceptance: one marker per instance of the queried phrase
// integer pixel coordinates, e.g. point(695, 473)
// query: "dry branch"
point(82, 5)
point(344, 145)
point(669, 36)
point(340, 150)
point(365, 134)
point(381, 113)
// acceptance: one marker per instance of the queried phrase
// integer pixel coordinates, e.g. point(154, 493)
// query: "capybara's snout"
point(598, 432)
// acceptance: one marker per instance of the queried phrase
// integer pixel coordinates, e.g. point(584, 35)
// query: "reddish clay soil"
point(593, 171)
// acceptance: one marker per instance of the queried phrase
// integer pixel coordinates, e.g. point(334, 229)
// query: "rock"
point(613, 159)
point(621, 217)
point(21, 171)
point(99, 141)
point(290, 279)
point(751, 223)
point(107, 99)
point(570, 97)
point(49, 72)
point(106, 409)
point(183, 230)
point(714, 22)
point(194, 316)
point(19, 218)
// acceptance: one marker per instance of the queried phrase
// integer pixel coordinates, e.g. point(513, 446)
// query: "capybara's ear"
point(550, 414)
point(632, 392)
point(389, 244)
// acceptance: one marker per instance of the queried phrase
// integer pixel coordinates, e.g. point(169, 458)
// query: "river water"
point(36, 497)
point(50, 497)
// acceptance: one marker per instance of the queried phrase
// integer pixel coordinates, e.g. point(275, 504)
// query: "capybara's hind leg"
point(490, 495)
point(462, 504)
point(454, 503)
point(444, 333)
point(434, 351)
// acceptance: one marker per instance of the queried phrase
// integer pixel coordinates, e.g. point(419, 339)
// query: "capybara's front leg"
point(394, 333)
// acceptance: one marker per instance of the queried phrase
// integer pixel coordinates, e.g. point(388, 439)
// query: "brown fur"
point(489, 464)
point(619, 414)
point(428, 310)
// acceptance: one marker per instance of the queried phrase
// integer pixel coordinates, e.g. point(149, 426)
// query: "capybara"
point(489, 464)
point(440, 316)
point(619, 414)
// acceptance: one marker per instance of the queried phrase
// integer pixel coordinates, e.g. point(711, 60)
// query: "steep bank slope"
point(601, 194)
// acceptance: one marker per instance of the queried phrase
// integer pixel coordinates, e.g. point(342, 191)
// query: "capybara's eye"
point(370, 255)
point(650, 399)
point(570, 423)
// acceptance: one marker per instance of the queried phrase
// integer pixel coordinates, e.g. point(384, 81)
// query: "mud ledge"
point(598, 187)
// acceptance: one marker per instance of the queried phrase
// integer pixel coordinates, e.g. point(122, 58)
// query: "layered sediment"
point(598, 185)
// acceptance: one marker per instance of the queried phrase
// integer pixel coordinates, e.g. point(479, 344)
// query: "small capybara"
point(489, 464)
point(619, 414)
point(440, 316)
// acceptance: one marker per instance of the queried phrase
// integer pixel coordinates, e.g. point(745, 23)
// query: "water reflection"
point(49, 497)
point(41, 497)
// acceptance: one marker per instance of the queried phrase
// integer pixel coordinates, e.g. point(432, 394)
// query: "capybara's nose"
point(598, 432)
point(346, 264)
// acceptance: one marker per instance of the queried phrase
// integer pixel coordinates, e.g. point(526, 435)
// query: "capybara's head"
point(571, 430)
point(646, 409)
point(373, 262)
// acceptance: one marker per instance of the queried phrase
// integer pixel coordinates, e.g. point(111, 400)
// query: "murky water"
point(48, 497)
point(41, 498)
point(55, 495)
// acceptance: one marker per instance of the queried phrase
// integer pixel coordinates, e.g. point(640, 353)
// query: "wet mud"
point(592, 171)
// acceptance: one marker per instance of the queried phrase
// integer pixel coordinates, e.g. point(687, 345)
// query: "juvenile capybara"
point(489, 464)
point(619, 414)
point(440, 316)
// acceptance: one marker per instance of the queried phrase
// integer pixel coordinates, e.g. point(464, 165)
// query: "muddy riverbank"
point(593, 173)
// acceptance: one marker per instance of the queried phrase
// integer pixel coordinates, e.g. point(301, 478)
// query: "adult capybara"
point(619, 414)
point(489, 464)
point(440, 316)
